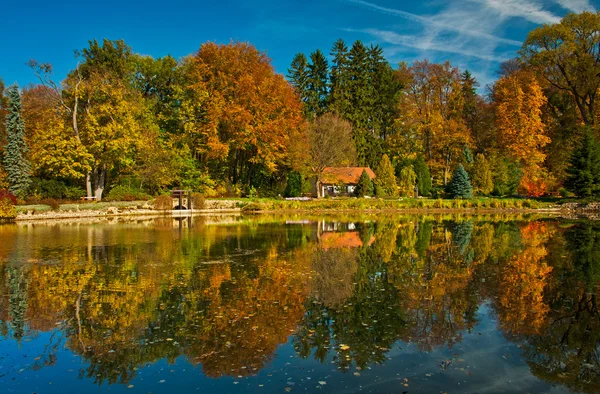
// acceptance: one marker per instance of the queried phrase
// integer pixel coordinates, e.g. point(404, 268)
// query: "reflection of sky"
point(484, 362)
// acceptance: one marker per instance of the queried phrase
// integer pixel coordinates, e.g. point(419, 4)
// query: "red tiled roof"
point(334, 175)
point(349, 239)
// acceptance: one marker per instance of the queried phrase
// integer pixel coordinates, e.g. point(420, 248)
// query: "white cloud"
point(454, 25)
point(576, 5)
point(426, 43)
point(530, 10)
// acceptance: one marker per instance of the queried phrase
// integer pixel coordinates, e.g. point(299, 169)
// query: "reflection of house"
point(336, 181)
point(335, 235)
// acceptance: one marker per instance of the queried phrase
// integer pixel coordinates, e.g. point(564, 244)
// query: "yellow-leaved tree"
point(521, 132)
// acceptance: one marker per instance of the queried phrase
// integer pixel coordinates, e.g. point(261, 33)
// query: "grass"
point(344, 204)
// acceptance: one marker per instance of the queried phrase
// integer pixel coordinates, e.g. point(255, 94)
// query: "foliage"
point(126, 193)
point(7, 204)
point(423, 175)
point(566, 53)
point(74, 193)
point(584, 171)
point(481, 176)
point(385, 179)
point(198, 201)
point(15, 162)
point(47, 188)
point(507, 176)
point(407, 181)
point(51, 202)
point(364, 186)
point(460, 185)
point(521, 131)
point(293, 187)
point(163, 203)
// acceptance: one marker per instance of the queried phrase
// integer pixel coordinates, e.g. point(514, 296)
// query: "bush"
point(163, 203)
point(47, 188)
point(53, 203)
point(7, 205)
point(198, 201)
point(74, 193)
point(125, 193)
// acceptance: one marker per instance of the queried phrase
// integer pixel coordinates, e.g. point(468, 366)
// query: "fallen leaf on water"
point(344, 347)
point(322, 383)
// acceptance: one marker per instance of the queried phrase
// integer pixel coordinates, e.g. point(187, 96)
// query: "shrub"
point(5, 194)
point(423, 176)
point(125, 193)
point(365, 185)
point(47, 188)
point(74, 193)
point(198, 201)
point(53, 203)
point(163, 203)
point(7, 205)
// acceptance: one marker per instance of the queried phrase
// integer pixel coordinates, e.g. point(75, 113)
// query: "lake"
point(275, 304)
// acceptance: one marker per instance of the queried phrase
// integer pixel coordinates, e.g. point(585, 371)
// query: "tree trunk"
point(99, 181)
point(88, 185)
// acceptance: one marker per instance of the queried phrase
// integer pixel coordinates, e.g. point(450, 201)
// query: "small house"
point(339, 181)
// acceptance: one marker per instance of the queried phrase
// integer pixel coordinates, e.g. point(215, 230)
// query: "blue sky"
point(473, 34)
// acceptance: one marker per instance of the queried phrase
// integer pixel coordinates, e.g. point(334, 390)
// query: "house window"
point(351, 189)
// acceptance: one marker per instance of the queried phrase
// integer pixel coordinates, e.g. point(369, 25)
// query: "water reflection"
point(227, 296)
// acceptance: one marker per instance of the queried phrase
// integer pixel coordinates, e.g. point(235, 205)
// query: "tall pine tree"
point(298, 76)
point(16, 164)
point(339, 93)
point(318, 71)
point(584, 172)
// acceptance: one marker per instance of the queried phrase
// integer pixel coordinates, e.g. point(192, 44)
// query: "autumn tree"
point(481, 176)
point(521, 131)
point(330, 143)
point(567, 55)
point(243, 121)
point(385, 180)
point(406, 181)
point(432, 106)
point(18, 167)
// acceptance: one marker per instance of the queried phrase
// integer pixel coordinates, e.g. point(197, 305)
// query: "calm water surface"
point(327, 305)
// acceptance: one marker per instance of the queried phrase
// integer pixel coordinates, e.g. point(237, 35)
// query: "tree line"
point(222, 121)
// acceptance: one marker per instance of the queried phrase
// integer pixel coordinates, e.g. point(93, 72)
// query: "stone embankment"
point(134, 209)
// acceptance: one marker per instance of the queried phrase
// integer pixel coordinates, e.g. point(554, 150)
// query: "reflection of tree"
point(567, 350)
point(17, 306)
point(521, 307)
point(226, 297)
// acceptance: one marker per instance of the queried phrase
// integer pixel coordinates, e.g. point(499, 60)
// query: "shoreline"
point(320, 207)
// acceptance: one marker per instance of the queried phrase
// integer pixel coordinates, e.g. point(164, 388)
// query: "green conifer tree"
point(482, 180)
point(460, 186)
point(16, 164)
point(423, 176)
point(317, 84)
point(584, 171)
point(294, 185)
point(298, 76)
point(364, 186)
point(385, 180)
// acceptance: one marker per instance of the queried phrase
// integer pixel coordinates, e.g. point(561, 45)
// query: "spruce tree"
point(385, 180)
point(339, 88)
point(365, 185)
point(584, 170)
point(298, 76)
point(15, 163)
point(423, 176)
point(460, 186)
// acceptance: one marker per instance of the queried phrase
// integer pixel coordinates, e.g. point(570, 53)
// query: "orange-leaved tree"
point(237, 111)
point(521, 132)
